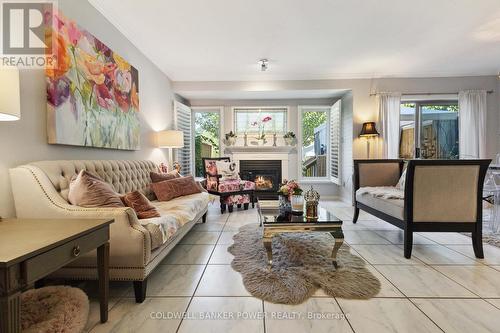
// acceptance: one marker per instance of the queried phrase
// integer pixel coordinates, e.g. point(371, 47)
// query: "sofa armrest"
point(368, 173)
point(36, 197)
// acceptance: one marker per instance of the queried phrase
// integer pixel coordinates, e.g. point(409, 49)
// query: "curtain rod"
point(430, 93)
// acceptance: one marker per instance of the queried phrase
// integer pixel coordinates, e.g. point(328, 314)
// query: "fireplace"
point(265, 173)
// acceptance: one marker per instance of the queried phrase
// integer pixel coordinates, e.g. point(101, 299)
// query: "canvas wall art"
point(92, 92)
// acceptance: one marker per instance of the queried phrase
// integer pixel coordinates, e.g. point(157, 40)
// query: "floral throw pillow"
point(227, 170)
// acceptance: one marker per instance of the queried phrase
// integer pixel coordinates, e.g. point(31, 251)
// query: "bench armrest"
point(372, 173)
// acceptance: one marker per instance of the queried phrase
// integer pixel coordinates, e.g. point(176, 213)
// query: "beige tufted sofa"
point(40, 190)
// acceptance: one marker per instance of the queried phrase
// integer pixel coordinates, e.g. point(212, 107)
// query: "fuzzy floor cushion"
point(301, 264)
point(55, 309)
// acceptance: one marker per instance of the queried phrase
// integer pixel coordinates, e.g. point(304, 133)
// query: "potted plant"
point(290, 196)
point(261, 124)
point(289, 138)
point(230, 138)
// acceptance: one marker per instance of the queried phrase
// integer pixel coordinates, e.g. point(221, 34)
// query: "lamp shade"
point(368, 130)
point(10, 98)
point(170, 139)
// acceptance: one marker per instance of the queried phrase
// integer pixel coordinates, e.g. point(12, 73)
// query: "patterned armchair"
point(227, 184)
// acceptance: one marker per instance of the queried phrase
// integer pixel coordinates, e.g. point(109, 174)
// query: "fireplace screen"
point(265, 173)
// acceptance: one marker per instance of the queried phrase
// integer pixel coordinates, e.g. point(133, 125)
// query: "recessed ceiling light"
point(263, 64)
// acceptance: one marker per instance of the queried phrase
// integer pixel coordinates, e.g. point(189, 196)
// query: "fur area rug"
point(488, 238)
point(301, 264)
point(55, 309)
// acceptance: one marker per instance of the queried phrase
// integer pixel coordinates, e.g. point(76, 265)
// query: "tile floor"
point(442, 288)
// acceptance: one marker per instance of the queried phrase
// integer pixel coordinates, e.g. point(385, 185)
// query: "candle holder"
point(297, 204)
point(312, 200)
point(245, 137)
point(274, 139)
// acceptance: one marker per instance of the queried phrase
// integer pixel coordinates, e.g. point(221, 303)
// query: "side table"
point(31, 249)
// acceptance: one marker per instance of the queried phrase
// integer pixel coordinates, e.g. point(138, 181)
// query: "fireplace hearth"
point(265, 173)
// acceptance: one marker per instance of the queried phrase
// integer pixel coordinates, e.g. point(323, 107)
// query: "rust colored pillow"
point(142, 206)
point(159, 177)
point(170, 189)
point(88, 190)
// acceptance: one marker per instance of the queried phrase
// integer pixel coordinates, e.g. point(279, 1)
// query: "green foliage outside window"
point(207, 125)
point(311, 120)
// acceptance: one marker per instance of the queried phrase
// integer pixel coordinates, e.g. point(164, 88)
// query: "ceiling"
point(222, 40)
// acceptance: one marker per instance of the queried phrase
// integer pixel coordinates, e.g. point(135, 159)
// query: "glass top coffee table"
point(274, 222)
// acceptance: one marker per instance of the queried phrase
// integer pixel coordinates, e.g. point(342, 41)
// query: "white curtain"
point(472, 124)
point(388, 119)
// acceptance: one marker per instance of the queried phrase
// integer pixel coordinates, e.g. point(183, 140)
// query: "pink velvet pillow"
point(159, 177)
point(140, 204)
point(88, 190)
point(170, 189)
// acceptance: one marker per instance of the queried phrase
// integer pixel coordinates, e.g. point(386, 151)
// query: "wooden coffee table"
point(273, 222)
point(31, 249)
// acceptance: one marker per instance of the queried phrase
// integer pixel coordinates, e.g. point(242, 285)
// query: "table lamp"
point(368, 131)
point(10, 98)
point(170, 139)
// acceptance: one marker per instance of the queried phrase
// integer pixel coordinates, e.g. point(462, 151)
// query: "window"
point(246, 120)
point(182, 116)
point(429, 130)
point(319, 138)
point(206, 127)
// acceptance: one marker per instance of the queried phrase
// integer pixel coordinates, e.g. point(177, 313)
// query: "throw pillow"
point(159, 177)
point(402, 180)
point(227, 170)
point(170, 189)
point(142, 206)
point(88, 190)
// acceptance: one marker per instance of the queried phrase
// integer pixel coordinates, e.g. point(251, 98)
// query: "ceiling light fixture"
point(263, 64)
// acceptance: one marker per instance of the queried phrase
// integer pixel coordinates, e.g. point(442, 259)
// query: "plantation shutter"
point(335, 142)
point(182, 116)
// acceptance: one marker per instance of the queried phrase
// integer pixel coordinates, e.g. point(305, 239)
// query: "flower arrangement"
point(261, 124)
point(289, 188)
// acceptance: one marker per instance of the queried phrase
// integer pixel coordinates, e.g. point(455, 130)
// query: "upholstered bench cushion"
point(392, 207)
point(235, 185)
point(238, 199)
point(174, 214)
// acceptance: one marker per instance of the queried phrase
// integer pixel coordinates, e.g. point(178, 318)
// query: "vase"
point(284, 204)
point(289, 141)
point(230, 141)
point(297, 203)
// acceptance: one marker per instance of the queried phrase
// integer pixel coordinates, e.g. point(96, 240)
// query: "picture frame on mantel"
point(92, 92)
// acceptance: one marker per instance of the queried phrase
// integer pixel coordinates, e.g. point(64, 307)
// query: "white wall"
point(330, 189)
point(26, 139)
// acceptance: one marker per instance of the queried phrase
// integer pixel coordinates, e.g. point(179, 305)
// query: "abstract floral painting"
point(92, 92)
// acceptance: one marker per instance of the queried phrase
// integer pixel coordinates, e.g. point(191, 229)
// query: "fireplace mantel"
point(260, 149)
point(282, 153)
